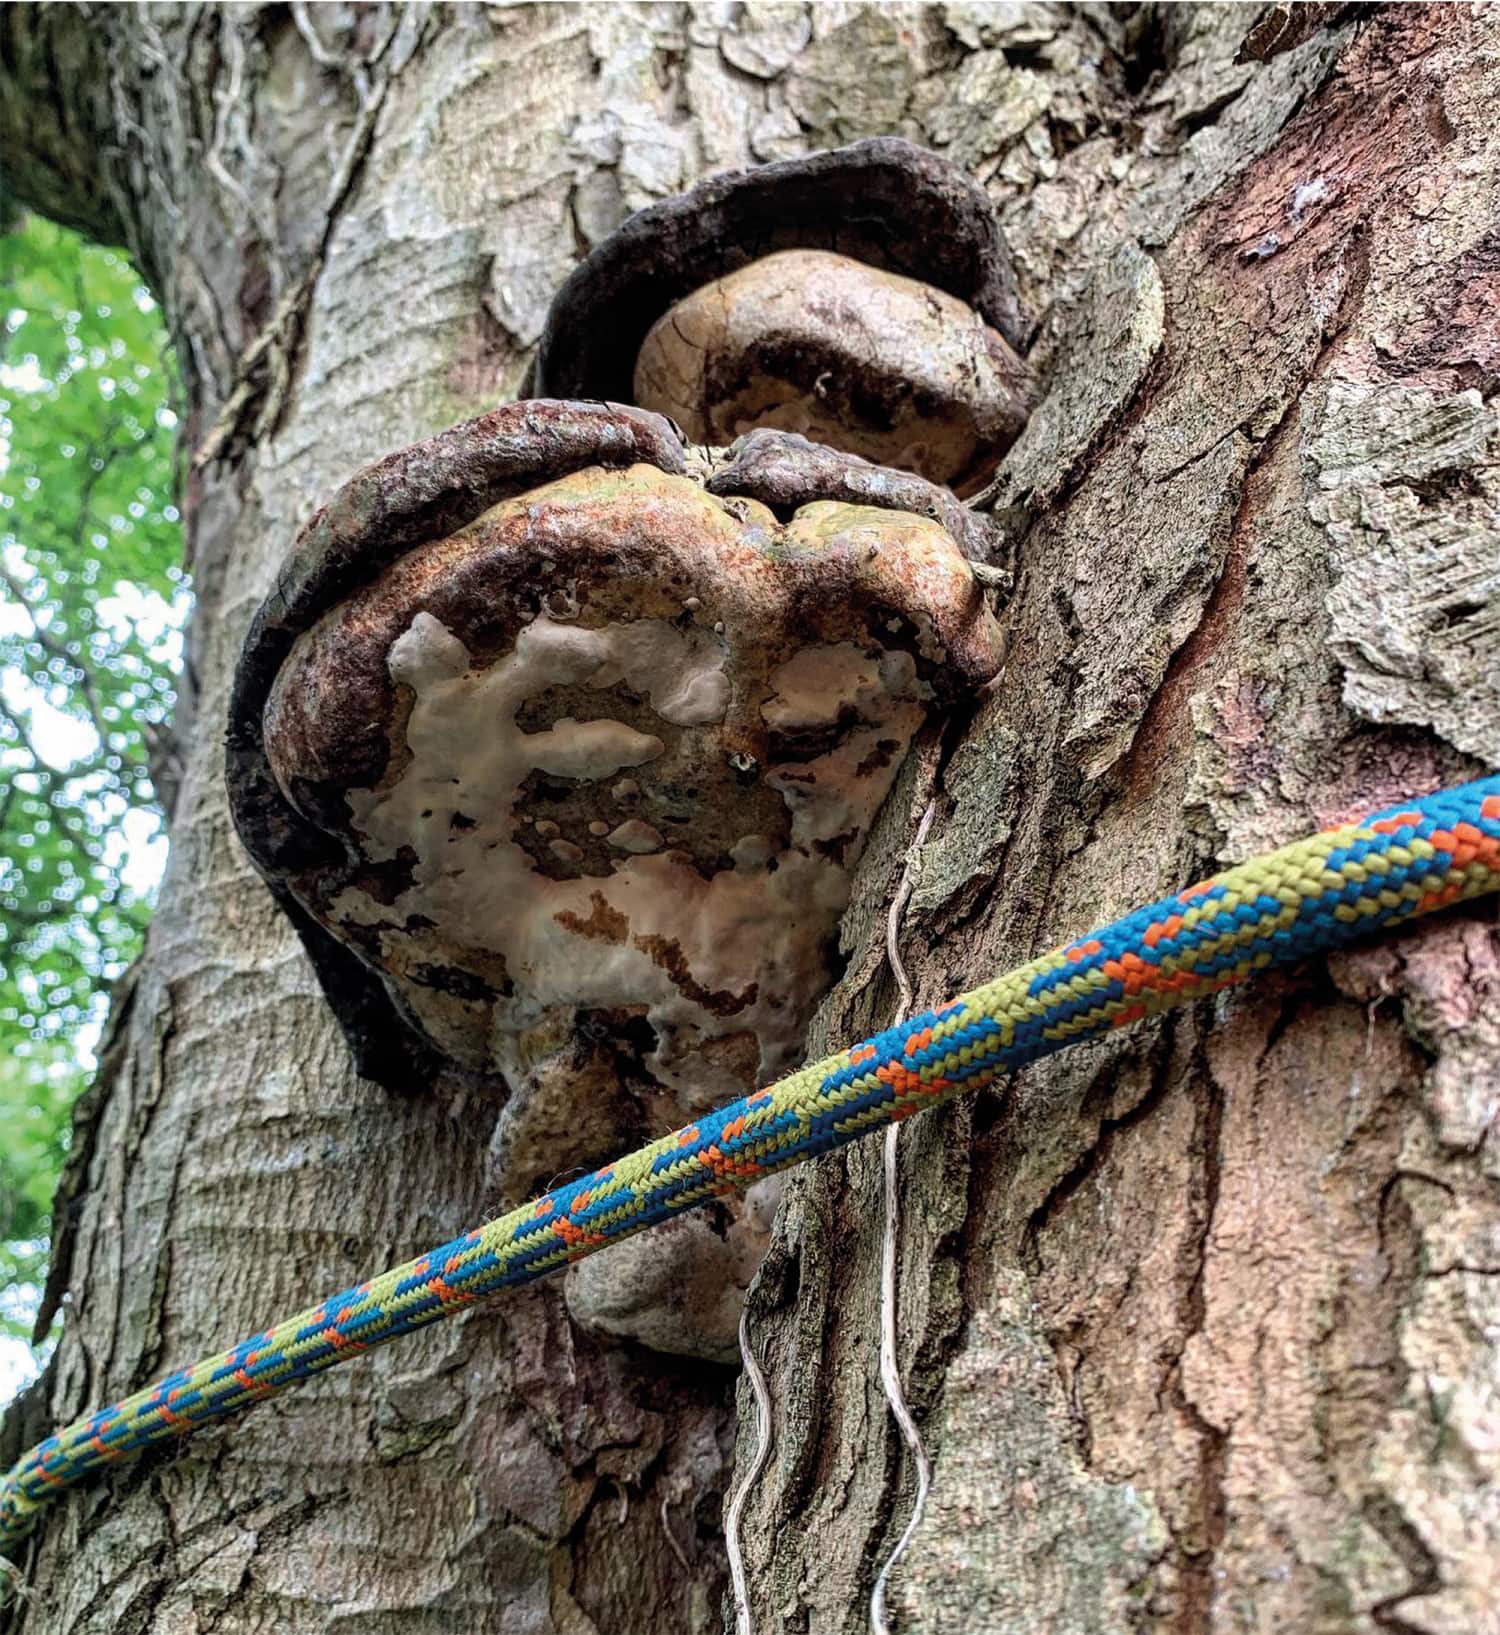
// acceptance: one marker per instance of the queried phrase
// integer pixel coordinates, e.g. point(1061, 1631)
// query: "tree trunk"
point(1199, 1324)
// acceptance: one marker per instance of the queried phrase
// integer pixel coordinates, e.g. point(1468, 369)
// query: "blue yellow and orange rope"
point(1314, 895)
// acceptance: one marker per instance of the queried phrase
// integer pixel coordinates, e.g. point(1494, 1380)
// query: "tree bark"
point(1199, 1323)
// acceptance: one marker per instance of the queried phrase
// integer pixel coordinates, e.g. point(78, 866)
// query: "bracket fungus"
point(559, 739)
point(559, 743)
point(862, 297)
point(539, 730)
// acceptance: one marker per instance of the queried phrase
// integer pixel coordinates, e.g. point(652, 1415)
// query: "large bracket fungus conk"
point(862, 297)
point(560, 754)
point(560, 739)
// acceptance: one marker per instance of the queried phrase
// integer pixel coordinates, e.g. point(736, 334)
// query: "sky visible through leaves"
point(92, 604)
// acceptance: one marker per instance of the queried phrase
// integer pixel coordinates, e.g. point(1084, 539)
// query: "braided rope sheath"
point(1314, 895)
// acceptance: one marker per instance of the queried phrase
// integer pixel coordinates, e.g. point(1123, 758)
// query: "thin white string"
point(890, 1365)
point(890, 1369)
point(744, 1622)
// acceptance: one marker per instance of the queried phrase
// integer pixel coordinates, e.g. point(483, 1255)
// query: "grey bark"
point(1200, 1324)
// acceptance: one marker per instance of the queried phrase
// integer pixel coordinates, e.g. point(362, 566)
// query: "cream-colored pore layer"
point(750, 931)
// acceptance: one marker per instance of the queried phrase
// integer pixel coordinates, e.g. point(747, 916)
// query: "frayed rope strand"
point(1317, 894)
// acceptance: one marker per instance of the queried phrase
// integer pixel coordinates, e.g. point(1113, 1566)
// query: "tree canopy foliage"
point(92, 601)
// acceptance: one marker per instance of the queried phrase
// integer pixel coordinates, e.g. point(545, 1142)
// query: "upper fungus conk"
point(862, 297)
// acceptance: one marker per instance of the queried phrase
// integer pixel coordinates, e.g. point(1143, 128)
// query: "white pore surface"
point(752, 929)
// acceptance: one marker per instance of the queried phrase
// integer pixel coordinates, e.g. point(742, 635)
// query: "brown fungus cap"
point(561, 760)
point(885, 202)
point(849, 355)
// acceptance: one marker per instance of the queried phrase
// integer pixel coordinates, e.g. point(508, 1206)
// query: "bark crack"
point(1213, 1441)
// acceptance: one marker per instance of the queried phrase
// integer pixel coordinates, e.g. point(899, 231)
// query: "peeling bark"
point(1199, 1322)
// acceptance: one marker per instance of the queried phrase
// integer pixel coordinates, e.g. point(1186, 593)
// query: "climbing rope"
point(1317, 894)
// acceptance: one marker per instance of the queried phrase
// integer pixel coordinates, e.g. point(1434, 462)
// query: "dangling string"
point(890, 1369)
point(744, 1620)
point(890, 1363)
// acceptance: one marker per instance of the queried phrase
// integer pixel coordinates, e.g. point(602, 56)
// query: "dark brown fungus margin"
point(886, 202)
point(784, 471)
